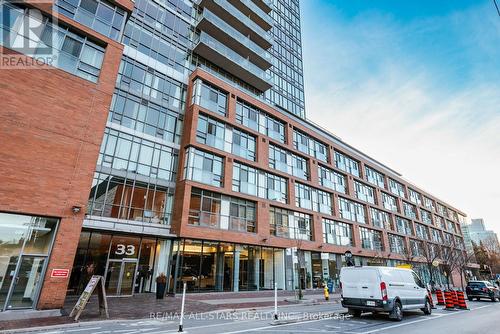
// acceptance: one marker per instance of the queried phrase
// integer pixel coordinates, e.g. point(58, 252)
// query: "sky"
point(415, 85)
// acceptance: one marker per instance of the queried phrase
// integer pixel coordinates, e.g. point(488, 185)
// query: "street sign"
point(325, 256)
point(61, 273)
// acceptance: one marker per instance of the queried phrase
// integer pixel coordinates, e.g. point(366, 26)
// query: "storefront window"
point(25, 243)
point(129, 264)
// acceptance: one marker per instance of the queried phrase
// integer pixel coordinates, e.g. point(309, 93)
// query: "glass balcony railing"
point(234, 57)
point(254, 8)
point(235, 34)
point(233, 11)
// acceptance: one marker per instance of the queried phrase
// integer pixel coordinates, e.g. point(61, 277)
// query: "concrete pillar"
point(236, 270)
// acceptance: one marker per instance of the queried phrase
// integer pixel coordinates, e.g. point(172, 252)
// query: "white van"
point(382, 289)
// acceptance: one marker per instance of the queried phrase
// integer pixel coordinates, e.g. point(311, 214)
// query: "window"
point(223, 137)
point(203, 167)
point(417, 247)
point(222, 212)
point(370, 239)
point(389, 202)
point(426, 216)
point(428, 203)
point(409, 210)
point(309, 145)
point(259, 121)
point(441, 209)
point(403, 226)
point(439, 222)
point(364, 192)
point(71, 51)
point(331, 179)
point(414, 196)
point(129, 199)
point(397, 244)
point(345, 163)
point(421, 231)
point(287, 162)
point(436, 235)
point(209, 97)
point(396, 188)
point(99, 15)
point(255, 182)
point(374, 177)
point(337, 233)
point(290, 224)
point(123, 152)
point(313, 199)
point(351, 210)
point(381, 219)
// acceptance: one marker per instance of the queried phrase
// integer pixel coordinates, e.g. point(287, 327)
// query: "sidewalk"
point(144, 306)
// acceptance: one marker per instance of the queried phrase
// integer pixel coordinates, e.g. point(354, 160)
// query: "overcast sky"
point(416, 85)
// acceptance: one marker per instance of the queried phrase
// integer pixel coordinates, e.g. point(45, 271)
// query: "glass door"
point(26, 282)
point(120, 277)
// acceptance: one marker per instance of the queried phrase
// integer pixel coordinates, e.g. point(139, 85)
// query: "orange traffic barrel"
point(448, 296)
point(461, 301)
point(439, 295)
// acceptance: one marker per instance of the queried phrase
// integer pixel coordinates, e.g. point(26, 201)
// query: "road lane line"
point(82, 329)
point(419, 320)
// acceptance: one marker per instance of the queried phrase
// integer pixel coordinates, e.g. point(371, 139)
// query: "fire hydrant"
point(327, 294)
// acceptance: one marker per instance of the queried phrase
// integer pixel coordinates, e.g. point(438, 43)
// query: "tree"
point(451, 258)
point(430, 256)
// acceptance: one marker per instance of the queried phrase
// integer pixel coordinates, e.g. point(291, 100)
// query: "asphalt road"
point(323, 318)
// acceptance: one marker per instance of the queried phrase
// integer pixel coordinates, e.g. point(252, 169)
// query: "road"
point(322, 318)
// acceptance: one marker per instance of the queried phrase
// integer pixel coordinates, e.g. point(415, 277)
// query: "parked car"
point(482, 289)
point(383, 289)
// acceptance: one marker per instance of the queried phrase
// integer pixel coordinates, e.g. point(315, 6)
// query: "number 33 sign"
point(122, 249)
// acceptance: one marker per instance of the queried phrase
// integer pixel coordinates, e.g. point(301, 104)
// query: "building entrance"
point(120, 277)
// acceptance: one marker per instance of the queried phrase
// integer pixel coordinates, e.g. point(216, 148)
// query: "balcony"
point(218, 28)
point(239, 21)
point(222, 56)
point(265, 5)
point(251, 10)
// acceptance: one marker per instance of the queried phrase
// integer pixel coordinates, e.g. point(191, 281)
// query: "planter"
point(160, 290)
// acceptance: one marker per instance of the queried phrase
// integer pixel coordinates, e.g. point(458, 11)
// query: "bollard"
point(182, 307)
point(275, 301)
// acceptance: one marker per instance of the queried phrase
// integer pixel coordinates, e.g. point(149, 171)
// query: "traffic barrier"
point(455, 298)
point(461, 301)
point(448, 296)
point(429, 294)
point(439, 295)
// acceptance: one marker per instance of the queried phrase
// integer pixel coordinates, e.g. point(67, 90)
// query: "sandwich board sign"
point(95, 282)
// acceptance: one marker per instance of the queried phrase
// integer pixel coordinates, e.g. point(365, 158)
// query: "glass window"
point(259, 121)
point(203, 167)
point(331, 179)
point(351, 210)
point(309, 145)
point(209, 97)
point(290, 224)
point(347, 164)
point(364, 192)
point(374, 177)
point(370, 239)
point(337, 233)
point(288, 162)
point(313, 199)
point(255, 182)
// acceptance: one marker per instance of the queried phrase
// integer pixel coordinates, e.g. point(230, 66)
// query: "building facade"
point(188, 153)
point(477, 233)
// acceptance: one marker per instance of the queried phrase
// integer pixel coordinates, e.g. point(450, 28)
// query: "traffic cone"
point(461, 301)
point(439, 295)
point(430, 298)
point(448, 301)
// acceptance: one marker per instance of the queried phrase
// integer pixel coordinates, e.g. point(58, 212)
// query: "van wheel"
point(354, 313)
point(397, 312)
point(427, 308)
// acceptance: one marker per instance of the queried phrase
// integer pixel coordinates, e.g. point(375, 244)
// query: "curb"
point(111, 321)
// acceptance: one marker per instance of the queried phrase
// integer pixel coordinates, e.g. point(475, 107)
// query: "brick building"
point(170, 137)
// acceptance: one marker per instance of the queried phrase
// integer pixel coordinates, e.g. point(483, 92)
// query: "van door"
point(394, 283)
point(363, 283)
point(412, 292)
